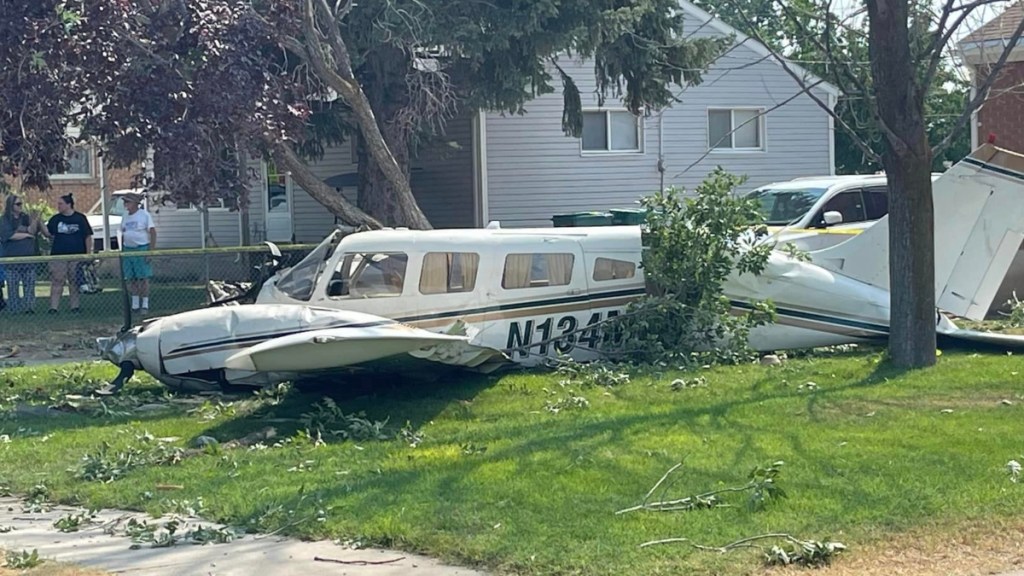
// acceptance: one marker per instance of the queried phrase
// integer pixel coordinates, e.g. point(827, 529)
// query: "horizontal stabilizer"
point(335, 348)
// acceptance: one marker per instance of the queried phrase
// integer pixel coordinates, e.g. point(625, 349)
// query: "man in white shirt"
point(138, 234)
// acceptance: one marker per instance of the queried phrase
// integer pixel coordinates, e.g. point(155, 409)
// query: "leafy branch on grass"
point(791, 550)
point(74, 522)
point(761, 485)
point(107, 464)
point(328, 419)
point(23, 560)
point(1015, 317)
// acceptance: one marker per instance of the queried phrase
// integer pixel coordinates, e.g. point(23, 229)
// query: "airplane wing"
point(339, 347)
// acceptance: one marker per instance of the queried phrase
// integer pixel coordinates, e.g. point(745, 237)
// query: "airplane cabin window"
point(610, 269)
point(448, 272)
point(537, 270)
point(849, 204)
point(369, 275)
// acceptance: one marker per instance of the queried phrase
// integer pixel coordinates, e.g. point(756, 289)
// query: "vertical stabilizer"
point(979, 226)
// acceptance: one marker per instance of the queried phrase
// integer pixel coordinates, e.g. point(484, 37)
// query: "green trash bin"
point(627, 216)
point(582, 219)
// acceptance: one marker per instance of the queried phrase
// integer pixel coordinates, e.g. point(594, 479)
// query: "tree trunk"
point(330, 198)
point(338, 73)
point(911, 260)
point(386, 92)
point(907, 161)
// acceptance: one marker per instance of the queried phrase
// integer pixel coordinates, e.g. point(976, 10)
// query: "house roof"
point(999, 28)
point(754, 45)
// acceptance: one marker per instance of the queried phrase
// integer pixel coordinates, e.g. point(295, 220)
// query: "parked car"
point(840, 205)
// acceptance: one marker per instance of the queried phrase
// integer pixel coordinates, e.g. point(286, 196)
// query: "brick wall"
point(1003, 112)
point(86, 190)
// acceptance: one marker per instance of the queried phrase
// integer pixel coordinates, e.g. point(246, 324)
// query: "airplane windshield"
point(783, 206)
point(300, 280)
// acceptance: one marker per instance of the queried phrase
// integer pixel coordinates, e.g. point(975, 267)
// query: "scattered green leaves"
point(22, 560)
point(327, 419)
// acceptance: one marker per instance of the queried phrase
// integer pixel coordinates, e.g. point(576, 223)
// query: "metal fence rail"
point(179, 282)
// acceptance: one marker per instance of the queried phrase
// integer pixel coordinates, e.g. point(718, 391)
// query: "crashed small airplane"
point(486, 298)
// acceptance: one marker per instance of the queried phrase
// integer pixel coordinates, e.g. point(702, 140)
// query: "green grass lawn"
point(485, 475)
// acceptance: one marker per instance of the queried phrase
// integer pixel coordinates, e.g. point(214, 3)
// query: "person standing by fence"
point(71, 234)
point(18, 234)
point(138, 234)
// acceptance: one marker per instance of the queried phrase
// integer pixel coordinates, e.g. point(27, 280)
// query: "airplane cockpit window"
point(448, 272)
point(369, 275)
point(537, 270)
point(299, 281)
point(611, 269)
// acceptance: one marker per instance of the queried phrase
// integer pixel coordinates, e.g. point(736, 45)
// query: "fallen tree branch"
point(801, 552)
point(358, 562)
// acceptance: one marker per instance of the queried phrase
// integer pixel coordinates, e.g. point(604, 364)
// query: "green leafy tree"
point(691, 246)
point(205, 82)
point(405, 67)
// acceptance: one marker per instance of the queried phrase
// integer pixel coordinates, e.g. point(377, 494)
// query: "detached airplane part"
point(979, 227)
point(486, 298)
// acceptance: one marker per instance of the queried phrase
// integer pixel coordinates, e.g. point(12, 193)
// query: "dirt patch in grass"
point(64, 344)
point(53, 569)
point(974, 548)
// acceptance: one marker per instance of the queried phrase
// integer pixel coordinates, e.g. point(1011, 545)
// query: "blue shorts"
point(135, 267)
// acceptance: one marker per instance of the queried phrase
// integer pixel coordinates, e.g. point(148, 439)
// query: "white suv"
point(823, 210)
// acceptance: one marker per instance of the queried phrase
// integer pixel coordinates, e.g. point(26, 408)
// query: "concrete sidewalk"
point(247, 555)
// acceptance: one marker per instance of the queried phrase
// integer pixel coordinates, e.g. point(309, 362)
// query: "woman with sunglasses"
point(18, 232)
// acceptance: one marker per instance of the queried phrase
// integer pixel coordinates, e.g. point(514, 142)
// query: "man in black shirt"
point(71, 234)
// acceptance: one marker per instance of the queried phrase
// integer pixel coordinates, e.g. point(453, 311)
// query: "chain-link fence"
point(34, 324)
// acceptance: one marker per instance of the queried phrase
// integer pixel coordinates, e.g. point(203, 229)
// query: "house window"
point(79, 163)
point(537, 270)
point(611, 131)
point(448, 272)
point(610, 269)
point(736, 129)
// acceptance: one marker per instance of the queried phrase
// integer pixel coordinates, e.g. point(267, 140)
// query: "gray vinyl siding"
point(182, 228)
point(442, 177)
point(310, 220)
point(535, 171)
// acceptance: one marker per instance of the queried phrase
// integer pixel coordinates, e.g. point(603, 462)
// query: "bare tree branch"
point(333, 34)
point(982, 91)
point(806, 89)
point(943, 35)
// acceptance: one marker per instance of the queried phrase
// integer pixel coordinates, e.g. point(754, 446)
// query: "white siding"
point(535, 171)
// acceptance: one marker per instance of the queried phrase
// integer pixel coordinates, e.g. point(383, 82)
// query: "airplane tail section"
point(979, 229)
